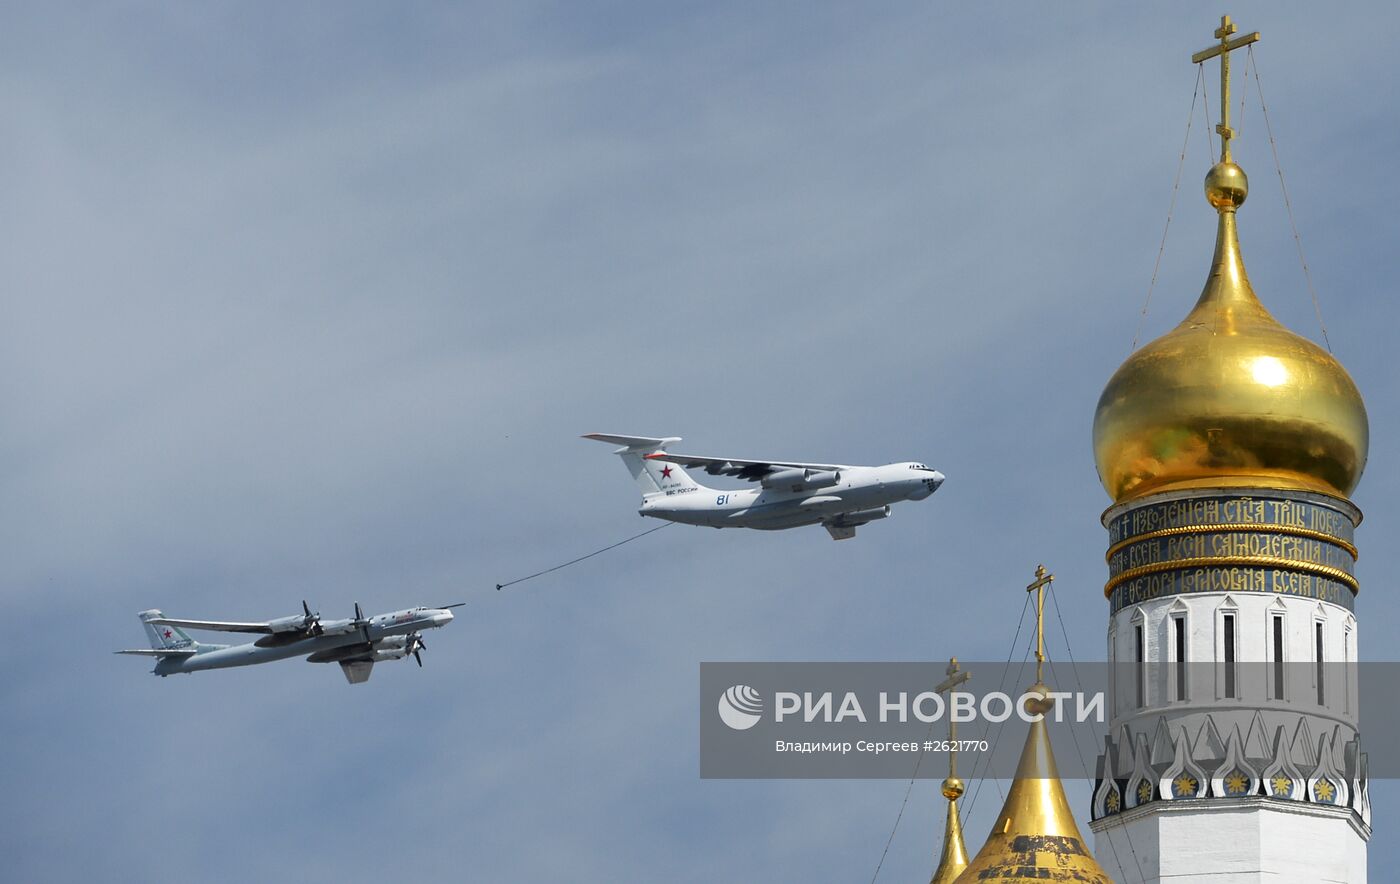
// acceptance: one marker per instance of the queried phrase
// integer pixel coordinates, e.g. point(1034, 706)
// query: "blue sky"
point(314, 303)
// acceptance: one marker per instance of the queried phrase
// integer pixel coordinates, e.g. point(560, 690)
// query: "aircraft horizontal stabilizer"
point(651, 443)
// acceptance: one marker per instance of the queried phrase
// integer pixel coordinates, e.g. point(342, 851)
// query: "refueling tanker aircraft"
point(839, 497)
point(356, 643)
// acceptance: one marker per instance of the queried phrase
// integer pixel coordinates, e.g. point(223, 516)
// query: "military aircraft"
point(841, 498)
point(355, 643)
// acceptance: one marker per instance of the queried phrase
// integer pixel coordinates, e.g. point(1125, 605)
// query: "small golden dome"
point(1035, 835)
point(1230, 398)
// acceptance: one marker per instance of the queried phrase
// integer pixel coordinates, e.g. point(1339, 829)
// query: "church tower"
point(1229, 447)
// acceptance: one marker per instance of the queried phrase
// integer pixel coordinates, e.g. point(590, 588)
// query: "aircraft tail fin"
point(652, 476)
point(164, 637)
point(667, 477)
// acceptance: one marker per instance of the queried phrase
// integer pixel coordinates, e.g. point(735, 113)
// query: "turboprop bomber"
point(839, 497)
point(356, 643)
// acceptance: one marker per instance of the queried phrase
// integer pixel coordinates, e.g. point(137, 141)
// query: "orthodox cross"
point(955, 677)
point(1223, 49)
point(1042, 579)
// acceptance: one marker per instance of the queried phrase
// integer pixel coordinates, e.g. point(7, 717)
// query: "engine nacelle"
point(784, 479)
point(800, 479)
point(294, 623)
point(395, 647)
point(860, 517)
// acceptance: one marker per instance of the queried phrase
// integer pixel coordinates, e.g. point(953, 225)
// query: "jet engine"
point(860, 517)
point(800, 479)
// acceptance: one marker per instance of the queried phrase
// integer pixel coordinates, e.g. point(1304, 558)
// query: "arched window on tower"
point(1227, 649)
point(1140, 658)
point(1276, 648)
point(1347, 663)
point(1113, 667)
point(1178, 651)
point(1320, 654)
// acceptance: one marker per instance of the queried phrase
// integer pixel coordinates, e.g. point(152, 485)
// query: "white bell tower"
point(1233, 746)
point(1230, 447)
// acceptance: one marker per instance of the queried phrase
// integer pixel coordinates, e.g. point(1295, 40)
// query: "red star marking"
point(167, 633)
point(666, 471)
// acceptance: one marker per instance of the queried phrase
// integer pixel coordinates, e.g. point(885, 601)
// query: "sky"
point(312, 301)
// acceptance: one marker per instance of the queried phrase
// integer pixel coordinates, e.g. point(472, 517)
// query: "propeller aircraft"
point(356, 643)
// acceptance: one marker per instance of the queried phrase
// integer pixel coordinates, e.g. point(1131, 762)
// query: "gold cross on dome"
point(1043, 579)
point(956, 676)
point(1223, 49)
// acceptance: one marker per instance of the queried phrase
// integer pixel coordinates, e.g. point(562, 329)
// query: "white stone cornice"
point(1230, 805)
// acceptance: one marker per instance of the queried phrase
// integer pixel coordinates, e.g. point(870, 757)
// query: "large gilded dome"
point(1230, 397)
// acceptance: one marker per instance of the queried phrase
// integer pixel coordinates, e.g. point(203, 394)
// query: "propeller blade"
point(419, 659)
point(311, 622)
point(361, 622)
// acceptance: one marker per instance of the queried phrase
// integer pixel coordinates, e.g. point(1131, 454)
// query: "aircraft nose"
point(927, 485)
point(442, 618)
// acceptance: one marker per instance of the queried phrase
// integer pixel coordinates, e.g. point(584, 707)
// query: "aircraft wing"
point(752, 470)
point(217, 625)
point(160, 652)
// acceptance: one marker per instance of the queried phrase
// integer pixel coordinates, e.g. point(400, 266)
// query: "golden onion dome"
point(1230, 398)
point(1035, 835)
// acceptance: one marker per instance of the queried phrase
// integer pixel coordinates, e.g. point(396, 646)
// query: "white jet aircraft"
point(355, 643)
point(839, 497)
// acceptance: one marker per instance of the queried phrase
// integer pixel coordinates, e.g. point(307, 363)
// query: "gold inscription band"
point(1225, 561)
point(1213, 529)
